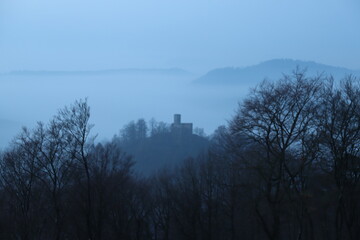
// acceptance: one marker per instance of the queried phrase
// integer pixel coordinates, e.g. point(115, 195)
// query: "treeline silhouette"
point(286, 166)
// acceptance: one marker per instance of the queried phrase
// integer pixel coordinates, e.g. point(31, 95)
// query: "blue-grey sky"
point(197, 35)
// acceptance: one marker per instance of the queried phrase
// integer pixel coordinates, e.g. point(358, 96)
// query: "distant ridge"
point(272, 70)
point(125, 71)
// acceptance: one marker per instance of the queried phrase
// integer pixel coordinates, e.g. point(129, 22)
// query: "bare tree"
point(163, 204)
point(340, 126)
point(110, 167)
point(48, 148)
point(278, 117)
point(23, 192)
point(76, 126)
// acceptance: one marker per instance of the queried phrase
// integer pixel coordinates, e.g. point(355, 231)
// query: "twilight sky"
point(196, 35)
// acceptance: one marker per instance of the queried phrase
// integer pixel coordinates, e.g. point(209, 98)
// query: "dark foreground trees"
point(286, 167)
point(298, 139)
point(56, 184)
point(279, 121)
point(340, 129)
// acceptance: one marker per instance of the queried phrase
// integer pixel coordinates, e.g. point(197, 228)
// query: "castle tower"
point(179, 128)
point(177, 119)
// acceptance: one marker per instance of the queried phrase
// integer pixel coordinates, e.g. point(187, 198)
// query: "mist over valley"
point(179, 120)
point(119, 96)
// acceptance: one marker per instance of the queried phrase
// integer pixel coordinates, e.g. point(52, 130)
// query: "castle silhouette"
point(181, 129)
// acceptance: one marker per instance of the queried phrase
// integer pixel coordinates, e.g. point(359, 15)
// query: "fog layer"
point(114, 99)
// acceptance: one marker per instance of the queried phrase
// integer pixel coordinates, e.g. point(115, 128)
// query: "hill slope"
point(164, 150)
point(272, 69)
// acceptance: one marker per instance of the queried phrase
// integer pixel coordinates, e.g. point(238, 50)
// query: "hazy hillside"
point(164, 150)
point(272, 69)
